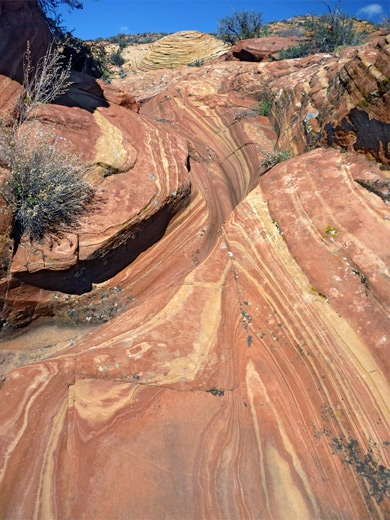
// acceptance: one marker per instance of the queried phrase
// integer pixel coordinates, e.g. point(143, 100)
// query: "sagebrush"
point(46, 188)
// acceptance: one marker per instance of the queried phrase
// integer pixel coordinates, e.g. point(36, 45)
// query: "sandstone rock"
point(343, 101)
point(14, 15)
point(227, 360)
point(90, 93)
point(179, 49)
point(260, 49)
point(217, 368)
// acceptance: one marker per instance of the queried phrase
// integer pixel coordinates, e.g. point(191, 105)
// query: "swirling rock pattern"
point(177, 49)
point(242, 369)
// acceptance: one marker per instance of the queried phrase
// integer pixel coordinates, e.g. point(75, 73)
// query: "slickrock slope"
point(178, 49)
point(229, 356)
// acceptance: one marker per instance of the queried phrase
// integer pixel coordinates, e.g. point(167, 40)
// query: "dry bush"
point(42, 83)
point(271, 159)
point(46, 188)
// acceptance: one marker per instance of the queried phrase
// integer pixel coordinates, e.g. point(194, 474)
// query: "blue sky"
point(109, 17)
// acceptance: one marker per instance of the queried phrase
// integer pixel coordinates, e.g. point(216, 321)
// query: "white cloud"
point(369, 11)
point(124, 29)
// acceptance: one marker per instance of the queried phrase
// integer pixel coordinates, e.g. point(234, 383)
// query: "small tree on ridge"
point(242, 26)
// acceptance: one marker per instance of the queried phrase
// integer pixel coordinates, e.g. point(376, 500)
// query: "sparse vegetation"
point(242, 25)
point(327, 33)
point(295, 31)
point(296, 51)
point(117, 58)
point(43, 83)
point(46, 188)
point(123, 40)
point(195, 63)
point(85, 57)
point(271, 159)
point(264, 108)
point(385, 23)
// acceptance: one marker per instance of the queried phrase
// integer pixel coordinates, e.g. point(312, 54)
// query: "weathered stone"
point(222, 353)
point(14, 15)
point(260, 49)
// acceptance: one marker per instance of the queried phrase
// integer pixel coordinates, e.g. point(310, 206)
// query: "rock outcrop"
point(213, 342)
point(175, 50)
point(260, 49)
point(21, 22)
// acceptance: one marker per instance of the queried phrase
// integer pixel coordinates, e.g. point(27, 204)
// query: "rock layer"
point(242, 367)
point(260, 49)
point(210, 383)
point(181, 48)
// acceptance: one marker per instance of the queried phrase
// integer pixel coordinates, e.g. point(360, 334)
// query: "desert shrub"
point(271, 159)
point(332, 30)
point(42, 83)
point(291, 31)
point(47, 189)
point(121, 39)
point(296, 51)
point(385, 23)
point(326, 33)
point(116, 58)
point(264, 108)
point(242, 25)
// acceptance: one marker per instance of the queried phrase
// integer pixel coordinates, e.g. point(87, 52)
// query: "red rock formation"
point(340, 102)
point(21, 22)
point(260, 49)
point(229, 357)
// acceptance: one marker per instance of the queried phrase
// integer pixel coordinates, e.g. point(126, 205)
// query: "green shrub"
point(332, 30)
point(271, 159)
point(84, 57)
point(241, 26)
point(297, 51)
point(117, 58)
point(326, 33)
point(264, 108)
point(196, 63)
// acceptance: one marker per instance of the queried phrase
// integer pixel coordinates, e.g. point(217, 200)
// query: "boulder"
point(260, 49)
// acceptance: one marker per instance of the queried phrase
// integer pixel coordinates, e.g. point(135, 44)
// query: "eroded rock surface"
point(174, 50)
point(242, 366)
point(14, 15)
point(260, 49)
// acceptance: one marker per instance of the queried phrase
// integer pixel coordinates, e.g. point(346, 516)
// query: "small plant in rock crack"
point(46, 188)
point(271, 159)
point(264, 108)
